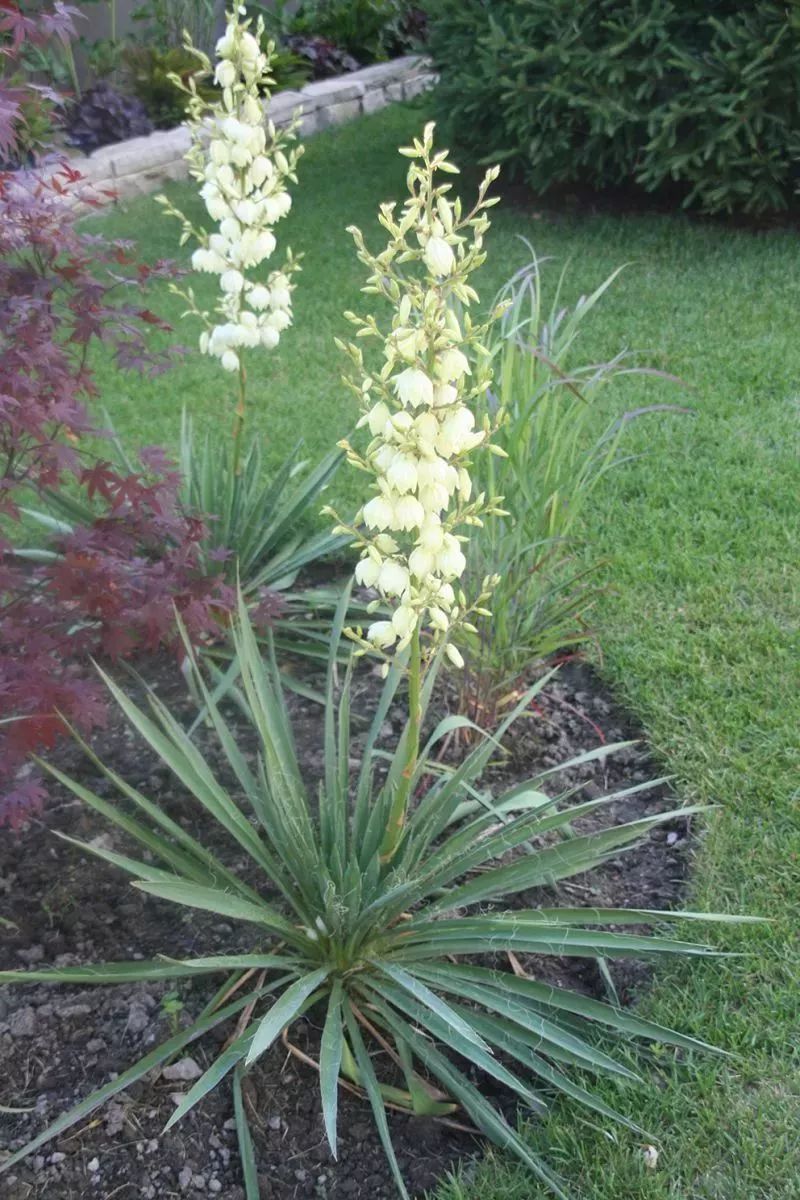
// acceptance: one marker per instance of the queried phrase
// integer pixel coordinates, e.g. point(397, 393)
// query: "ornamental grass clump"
point(562, 429)
point(375, 900)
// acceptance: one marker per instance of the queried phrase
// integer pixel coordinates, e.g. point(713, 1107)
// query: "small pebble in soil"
point(23, 1022)
point(32, 955)
point(183, 1071)
point(138, 1017)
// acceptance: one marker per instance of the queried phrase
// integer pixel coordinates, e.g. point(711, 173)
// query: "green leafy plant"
point(614, 92)
point(258, 520)
point(166, 21)
point(172, 1007)
point(150, 71)
point(289, 70)
point(35, 123)
point(382, 945)
point(368, 30)
point(358, 26)
point(557, 450)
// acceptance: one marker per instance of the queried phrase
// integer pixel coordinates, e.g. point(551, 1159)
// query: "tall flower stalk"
point(418, 405)
point(243, 164)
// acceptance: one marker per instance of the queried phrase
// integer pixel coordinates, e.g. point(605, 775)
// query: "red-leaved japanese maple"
point(114, 585)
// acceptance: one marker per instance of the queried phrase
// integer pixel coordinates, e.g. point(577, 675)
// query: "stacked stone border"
point(144, 164)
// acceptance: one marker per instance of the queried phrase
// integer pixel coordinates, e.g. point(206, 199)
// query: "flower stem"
point(399, 809)
point(238, 422)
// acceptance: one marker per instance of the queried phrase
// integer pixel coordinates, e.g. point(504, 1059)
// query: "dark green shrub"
point(149, 70)
point(608, 92)
point(367, 31)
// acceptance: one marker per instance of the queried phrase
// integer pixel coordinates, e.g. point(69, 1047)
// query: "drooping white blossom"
point(243, 165)
point(418, 406)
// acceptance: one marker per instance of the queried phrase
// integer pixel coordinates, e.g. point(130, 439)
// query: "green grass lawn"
point(699, 630)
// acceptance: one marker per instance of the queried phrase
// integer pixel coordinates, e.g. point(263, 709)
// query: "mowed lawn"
point(699, 627)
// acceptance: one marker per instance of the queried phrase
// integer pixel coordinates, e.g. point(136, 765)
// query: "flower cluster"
point(243, 164)
point(417, 408)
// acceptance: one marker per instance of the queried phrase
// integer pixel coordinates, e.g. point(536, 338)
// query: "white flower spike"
point(243, 165)
point(417, 407)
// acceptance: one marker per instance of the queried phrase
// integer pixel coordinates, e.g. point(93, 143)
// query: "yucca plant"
point(382, 903)
point(260, 522)
point(559, 446)
point(379, 946)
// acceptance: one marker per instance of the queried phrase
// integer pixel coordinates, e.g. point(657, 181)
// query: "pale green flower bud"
point(455, 655)
point(439, 257)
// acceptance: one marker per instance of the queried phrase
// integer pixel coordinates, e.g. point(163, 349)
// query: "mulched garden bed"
point(57, 1044)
